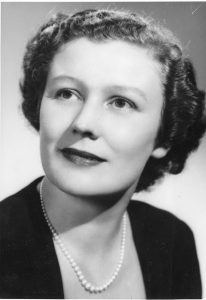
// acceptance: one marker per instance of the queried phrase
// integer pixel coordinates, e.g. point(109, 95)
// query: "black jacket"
point(29, 267)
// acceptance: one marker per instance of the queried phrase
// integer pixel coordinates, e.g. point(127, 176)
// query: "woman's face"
point(99, 116)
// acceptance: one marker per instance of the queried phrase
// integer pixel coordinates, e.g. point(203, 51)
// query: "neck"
point(74, 216)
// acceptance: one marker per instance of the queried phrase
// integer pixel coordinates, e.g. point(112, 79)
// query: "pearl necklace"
point(84, 283)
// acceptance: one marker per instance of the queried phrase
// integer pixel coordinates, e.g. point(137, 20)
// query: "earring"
point(159, 152)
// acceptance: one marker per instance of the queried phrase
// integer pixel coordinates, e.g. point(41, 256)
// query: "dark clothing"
point(29, 267)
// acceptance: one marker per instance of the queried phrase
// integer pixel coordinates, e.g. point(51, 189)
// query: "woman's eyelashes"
point(67, 94)
point(116, 102)
point(121, 103)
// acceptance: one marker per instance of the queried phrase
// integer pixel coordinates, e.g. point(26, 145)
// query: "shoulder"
point(20, 196)
point(15, 209)
point(156, 220)
point(28, 263)
point(166, 247)
point(160, 229)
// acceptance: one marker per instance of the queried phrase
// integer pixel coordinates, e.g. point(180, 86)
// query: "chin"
point(87, 188)
point(82, 186)
point(94, 182)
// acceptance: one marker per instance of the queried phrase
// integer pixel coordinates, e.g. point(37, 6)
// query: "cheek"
point(54, 121)
point(134, 138)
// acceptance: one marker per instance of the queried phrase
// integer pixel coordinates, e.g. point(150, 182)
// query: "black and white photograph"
point(103, 150)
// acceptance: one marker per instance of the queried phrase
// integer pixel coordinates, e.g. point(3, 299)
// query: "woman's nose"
point(86, 121)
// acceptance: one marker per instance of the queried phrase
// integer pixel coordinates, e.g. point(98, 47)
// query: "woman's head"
point(182, 122)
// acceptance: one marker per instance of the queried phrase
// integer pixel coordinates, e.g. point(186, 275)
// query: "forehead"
point(107, 62)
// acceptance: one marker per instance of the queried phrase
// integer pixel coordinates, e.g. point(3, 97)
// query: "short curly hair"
point(183, 120)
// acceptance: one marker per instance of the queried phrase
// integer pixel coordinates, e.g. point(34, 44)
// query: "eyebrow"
point(66, 77)
point(133, 89)
point(116, 88)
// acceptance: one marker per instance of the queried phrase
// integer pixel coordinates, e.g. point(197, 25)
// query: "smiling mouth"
point(81, 158)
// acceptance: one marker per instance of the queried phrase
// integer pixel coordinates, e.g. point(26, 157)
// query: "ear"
point(159, 152)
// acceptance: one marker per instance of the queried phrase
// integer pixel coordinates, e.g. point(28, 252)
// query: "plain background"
point(184, 194)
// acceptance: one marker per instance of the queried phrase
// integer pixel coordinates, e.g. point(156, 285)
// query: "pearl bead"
point(76, 269)
point(72, 264)
point(71, 259)
point(96, 290)
point(84, 282)
point(88, 286)
point(81, 277)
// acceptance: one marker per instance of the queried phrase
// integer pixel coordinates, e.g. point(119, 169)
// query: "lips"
point(81, 158)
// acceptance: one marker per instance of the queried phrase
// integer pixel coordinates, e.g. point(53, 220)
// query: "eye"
point(123, 103)
point(67, 94)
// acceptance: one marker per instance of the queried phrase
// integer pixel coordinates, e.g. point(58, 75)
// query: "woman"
point(116, 105)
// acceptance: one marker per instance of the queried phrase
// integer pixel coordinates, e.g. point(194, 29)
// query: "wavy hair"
point(183, 120)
